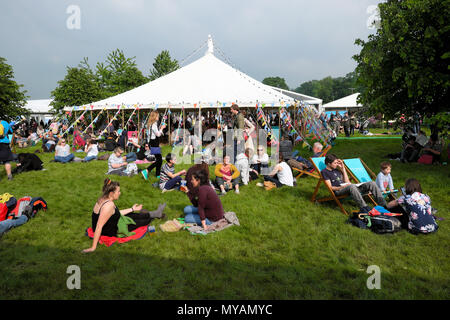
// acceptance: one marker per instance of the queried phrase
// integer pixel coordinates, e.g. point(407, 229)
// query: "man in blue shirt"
point(6, 155)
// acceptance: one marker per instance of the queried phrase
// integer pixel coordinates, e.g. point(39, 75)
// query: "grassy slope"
point(285, 248)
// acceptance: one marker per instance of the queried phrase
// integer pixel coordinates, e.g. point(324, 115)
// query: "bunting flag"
point(91, 125)
point(75, 123)
point(109, 124)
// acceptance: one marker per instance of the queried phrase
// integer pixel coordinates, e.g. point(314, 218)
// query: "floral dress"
point(418, 206)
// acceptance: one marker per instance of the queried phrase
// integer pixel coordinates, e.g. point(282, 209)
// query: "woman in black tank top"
point(106, 215)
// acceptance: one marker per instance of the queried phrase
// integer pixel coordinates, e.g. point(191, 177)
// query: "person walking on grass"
point(6, 155)
point(154, 136)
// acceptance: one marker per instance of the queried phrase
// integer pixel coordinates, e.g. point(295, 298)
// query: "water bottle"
point(152, 230)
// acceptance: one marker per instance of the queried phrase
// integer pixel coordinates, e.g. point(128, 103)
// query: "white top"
point(384, 182)
point(263, 159)
point(93, 151)
point(154, 131)
point(285, 175)
point(61, 151)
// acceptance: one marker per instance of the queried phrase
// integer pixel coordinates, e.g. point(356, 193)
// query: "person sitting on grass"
point(384, 179)
point(49, 142)
point(227, 176)
point(281, 174)
point(116, 163)
point(433, 148)
point(62, 152)
point(91, 150)
point(168, 179)
point(416, 206)
point(335, 176)
point(259, 160)
point(106, 215)
point(207, 207)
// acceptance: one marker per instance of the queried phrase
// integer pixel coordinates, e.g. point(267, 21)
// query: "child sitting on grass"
point(168, 179)
point(384, 179)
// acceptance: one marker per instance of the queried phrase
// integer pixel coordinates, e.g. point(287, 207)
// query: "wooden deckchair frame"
point(371, 174)
point(333, 196)
point(314, 172)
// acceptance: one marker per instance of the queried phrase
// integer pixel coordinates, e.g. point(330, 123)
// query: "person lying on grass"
point(105, 214)
point(227, 176)
point(335, 176)
point(206, 207)
point(168, 179)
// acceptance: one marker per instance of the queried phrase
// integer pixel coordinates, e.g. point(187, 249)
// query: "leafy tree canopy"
point(404, 67)
point(163, 65)
point(12, 98)
point(276, 82)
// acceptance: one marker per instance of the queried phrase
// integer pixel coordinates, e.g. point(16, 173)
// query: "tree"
point(78, 87)
point(163, 65)
point(82, 85)
point(12, 99)
point(118, 74)
point(404, 67)
point(276, 82)
point(329, 89)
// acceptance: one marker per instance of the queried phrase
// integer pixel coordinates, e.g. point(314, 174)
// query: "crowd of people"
point(248, 161)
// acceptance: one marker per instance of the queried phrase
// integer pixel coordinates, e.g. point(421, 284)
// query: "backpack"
point(2, 131)
point(378, 220)
point(29, 205)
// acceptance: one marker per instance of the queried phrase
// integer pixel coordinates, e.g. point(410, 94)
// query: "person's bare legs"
point(8, 170)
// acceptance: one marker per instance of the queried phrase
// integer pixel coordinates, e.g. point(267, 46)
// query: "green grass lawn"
point(286, 247)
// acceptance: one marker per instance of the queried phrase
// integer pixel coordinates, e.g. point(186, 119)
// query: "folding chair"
point(319, 165)
point(129, 136)
point(312, 172)
point(362, 173)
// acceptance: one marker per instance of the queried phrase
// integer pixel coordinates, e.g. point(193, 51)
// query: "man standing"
point(6, 155)
point(335, 176)
point(238, 131)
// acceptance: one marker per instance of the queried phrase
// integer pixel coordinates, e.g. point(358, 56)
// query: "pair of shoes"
point(10, 177)
point(145, 174)
point(259, 184)
point(167, 190)
point(236, 191)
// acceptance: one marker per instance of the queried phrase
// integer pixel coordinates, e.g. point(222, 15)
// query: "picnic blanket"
point(142, 161)
point(230, 219)
point(139, 233)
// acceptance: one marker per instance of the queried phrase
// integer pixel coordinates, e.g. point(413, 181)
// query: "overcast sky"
point(299, 40)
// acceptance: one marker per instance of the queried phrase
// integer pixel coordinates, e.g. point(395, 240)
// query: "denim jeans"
point(6, 225)
point(172, 183)
point(131, 157)
point(65, 159)
point(191, 216)
point(89, 158)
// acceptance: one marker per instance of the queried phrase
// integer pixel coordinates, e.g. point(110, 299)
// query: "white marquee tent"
point(40, 109)
point(205, 83)
point(347, 103)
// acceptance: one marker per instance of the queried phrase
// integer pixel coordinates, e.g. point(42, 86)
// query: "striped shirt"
point(164, 177)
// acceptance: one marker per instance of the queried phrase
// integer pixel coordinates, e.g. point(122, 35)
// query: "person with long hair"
point(106, 215)
point(153, 139)
point(209, 207)
point(418, 213)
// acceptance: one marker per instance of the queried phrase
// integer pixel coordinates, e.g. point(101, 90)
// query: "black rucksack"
point(381, 222)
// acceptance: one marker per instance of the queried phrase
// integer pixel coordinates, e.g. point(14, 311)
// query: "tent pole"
point(139, 125)
point(123, 119)
point(168, 123)
point(200, 126)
